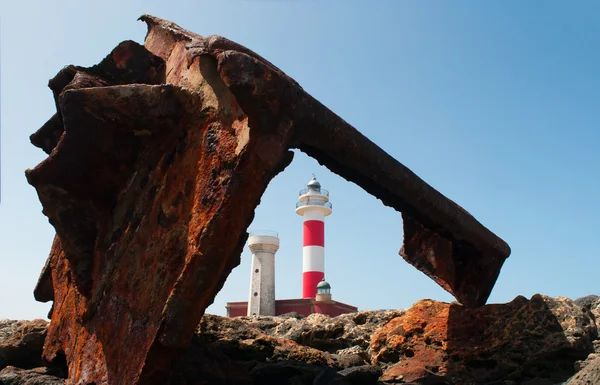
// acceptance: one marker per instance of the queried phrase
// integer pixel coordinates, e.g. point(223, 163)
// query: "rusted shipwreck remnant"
point(158, 157)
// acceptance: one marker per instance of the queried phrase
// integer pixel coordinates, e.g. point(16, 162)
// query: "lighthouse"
point(261, 300)
point(313, 205)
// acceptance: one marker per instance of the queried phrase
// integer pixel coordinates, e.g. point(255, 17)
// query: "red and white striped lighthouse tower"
point(313, 205)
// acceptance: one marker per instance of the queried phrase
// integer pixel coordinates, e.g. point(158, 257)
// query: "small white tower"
point(264, 245)
point(323, 291)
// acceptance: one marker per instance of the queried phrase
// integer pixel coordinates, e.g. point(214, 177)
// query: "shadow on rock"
point(202, 364)
point(521, 342)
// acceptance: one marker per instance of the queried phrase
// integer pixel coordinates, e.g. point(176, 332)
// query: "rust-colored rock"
point(522, 340)
point(158, 157)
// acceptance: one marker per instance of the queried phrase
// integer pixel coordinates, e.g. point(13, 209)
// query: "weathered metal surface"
point(158, 157)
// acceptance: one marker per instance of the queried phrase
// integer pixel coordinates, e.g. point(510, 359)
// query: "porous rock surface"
point(158, 157)
point(591, 303)
point(340, 342)
point(347, 333)
point(536, 341)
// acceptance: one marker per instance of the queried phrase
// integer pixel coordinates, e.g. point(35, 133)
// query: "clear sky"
point(495, 104)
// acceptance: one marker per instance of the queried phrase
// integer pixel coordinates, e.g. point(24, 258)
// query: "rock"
point(590, 303)
point(494, 357)
point(158, 157)
point(291, 315)
point(318, 331)
point(525, 340)
point(329, 377)
point(38, 376)
point(240, 340)
point(7, 327)
point(202, 364)
point(441, 380)
point(589, 375)
point(354, 350)
point(595, 310)
point(344, 335)
point(215, 328)
point(349, 361)
point(21, 343)
point(350, 357)
point(294, 373)
point(362, 375)
point(587, 301)
point(583, 363)
point(325, 333)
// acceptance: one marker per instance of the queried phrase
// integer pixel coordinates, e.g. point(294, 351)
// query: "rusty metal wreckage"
point(158, 157)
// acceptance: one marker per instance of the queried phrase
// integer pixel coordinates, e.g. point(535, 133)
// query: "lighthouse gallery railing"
point(314, 202)
point(322, 191)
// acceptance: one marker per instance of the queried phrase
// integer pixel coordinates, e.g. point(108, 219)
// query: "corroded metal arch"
point(158, 157)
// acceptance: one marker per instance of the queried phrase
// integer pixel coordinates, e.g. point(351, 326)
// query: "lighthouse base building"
point(321, 303)
point(302, 306)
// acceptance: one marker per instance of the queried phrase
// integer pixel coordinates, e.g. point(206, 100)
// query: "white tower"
point(313, 204)
point(264, 245)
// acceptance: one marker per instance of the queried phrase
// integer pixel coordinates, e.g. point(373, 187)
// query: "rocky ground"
point(540, 341)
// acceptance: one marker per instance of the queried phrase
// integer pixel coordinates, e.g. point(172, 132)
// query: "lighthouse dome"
point(323, 291)
point(314, 184)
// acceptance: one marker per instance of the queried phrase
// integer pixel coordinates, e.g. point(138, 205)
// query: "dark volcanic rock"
point(537, 339)
point(38, 376)
point(295, 373)
point(204, 364)
point(362, 375)
point(21, 343)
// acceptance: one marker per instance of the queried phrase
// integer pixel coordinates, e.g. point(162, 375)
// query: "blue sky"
point(495, 104)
